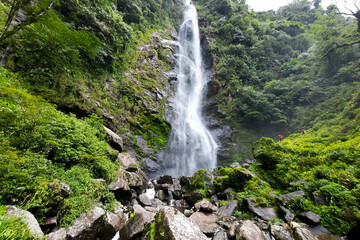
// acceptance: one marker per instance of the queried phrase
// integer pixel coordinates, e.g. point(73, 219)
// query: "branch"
point(337, 46)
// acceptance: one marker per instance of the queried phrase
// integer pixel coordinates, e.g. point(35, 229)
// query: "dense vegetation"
point(275, 72)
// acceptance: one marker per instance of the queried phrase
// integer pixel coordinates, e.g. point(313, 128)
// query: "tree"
point(355, 14)
point(28, 11)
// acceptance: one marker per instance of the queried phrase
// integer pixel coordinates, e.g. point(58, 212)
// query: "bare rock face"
point(173, 225)
point(135, 226)
point(205, 206)
point(301, 232)
point(115, 140)
point(286, 214)
point(263, 213)
point(281, 231)
point(228, 209)
point(206, 222)
point(249, 231)
point(113, 222)
point(85, 227)
point(127, 162)
point(28, 218)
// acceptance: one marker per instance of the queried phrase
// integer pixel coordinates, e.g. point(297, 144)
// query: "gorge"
point(148, 119)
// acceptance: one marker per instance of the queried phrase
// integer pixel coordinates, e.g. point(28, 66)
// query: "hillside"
point(69, 68)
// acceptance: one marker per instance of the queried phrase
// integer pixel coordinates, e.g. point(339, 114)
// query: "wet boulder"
point(206, 222)
point(165, 179)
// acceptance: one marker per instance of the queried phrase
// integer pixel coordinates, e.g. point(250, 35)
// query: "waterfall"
point(191, 145)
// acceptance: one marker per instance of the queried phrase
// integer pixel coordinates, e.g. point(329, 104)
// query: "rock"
point(49, 224)
point(57, 235)
point(205, 206)
point(113, 222)
point(281, 231)
point(289, 196)
point(206, 222)
point(286, 214)
point(215, 200)
point(228, 209)
point(220, 235)
point(249, 231)
point(115, 140)
point(127, 162)
point(85, 227)
point(181, 205)
point(173, 225)
point(322, 233)
point(301, 232)
point(156, 202)
point(263, 213)
point(144, 199)
point(28, 218)
point(125, 181)
point(192, 197)
point(151, 165)
point(137, 223)
point(230, 224)
point(165, 179)
point(319, 198)
point(309, 217)
point(64, 190)
point(184, 180)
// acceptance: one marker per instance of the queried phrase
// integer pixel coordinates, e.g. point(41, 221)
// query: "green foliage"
point(13, 228)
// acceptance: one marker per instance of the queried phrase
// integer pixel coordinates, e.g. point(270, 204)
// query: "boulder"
point(145, 200)
point(205, 206)
point(127, 162)
point(220, 235)
point(230, 224)
point(289, 196)
point(281, 231)
point(113, 222)
point(64, 190)
point(263, 213)
point(249, 231)
point(319, 198)
point(206, 222)
point(286, 214)
point(49, 224)
point(57, 235)
point(151, 165)
point(125, 181)
point(215, 200)
point(192, 197)
point(165, 179)
point(309, 218)
point(322, 233)
point(28, 218)
point(172, 225)
point(228, 209)
point(85, 227)
point(115, 140)
point(135, 226)
point(301, 232)
point(184, 180)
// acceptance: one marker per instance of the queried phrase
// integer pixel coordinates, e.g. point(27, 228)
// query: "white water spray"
point(191, 145)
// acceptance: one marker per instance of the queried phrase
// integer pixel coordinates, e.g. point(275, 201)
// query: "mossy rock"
point(264, 151)
point(232, 178)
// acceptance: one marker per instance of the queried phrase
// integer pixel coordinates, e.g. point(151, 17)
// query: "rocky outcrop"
point(286, 214)
point(112, 223)
point(127, 162)
point(28, 218)
point(281, 231)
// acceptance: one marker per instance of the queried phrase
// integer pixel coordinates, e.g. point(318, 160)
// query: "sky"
point(264, 5)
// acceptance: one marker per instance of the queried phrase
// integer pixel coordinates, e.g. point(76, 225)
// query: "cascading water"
point(191, 145)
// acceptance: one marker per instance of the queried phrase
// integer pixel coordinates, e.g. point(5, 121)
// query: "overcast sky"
point(264, 5)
